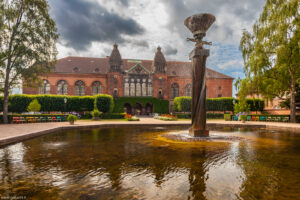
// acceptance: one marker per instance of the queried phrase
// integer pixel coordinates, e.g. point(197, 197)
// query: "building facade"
point(128, 77)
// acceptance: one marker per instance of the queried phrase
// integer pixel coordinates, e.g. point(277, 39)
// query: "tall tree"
point(27, 43)
point(271, 52)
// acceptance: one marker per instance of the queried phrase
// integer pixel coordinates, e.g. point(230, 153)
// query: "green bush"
point(105, 103)
point(227, 117)
point(96, 113)
point(159, 106)
point(183, 104)
point(208, 116)
point(112, 115)
point(51, 103)
point(34, 106)
point(72, 118)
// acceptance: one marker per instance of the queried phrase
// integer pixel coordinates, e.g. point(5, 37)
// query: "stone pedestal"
point(198, 57)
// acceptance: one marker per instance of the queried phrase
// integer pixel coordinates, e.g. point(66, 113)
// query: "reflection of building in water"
point(128, 77)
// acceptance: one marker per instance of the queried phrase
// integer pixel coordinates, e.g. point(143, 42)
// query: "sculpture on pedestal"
point(198, 24)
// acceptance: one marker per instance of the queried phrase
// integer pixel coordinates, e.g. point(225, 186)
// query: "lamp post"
point(65, 103)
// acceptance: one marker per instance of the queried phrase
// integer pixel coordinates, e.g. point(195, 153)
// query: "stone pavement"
point(11, 133)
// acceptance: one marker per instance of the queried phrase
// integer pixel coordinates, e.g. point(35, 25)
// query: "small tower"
point(159, 62)
point(115, 60)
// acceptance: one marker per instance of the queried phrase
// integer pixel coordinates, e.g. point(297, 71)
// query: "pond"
point(137, 163)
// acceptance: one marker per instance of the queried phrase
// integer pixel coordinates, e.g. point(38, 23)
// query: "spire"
point(115, 59)
point(159, 61)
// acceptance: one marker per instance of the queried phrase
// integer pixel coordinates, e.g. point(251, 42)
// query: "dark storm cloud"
point(82, 22)
point(139, 43)
point(168, 50)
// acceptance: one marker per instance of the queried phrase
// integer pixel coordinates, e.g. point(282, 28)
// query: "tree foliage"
point(34, 106)
point(271, 52)
point(27, 43)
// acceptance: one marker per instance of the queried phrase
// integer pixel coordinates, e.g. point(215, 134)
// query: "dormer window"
point(75, 69)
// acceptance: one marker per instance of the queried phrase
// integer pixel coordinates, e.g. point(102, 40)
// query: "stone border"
point(20, 138)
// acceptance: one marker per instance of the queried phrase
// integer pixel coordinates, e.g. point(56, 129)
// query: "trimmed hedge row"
point(159, 106)
point(112, 115)
point(29, 115)
point(50, 103)
point(183, 104)
point(208, 116)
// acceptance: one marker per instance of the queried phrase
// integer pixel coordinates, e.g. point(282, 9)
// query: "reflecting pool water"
point(137, 163)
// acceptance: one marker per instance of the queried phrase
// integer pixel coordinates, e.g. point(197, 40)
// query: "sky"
point(91, 27)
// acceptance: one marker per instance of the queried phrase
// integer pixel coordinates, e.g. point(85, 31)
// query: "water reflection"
point(133, 163)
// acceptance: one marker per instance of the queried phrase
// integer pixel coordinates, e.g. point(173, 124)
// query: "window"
point(219, 95)
point(97, 70)
point(220, 87)
point(79, 88)
point(174, 90)
point(149, 89)
point(115, 92)
point(75, 69)
point(45, 87)
point(62, 87)
point(188, 90)
point(96, 88)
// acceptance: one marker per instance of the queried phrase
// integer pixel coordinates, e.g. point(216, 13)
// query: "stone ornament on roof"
point(159, 61)
point(115, 59)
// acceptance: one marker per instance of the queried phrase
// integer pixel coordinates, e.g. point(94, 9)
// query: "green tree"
point(27, 44)
point(271, 52)
point(34, 106)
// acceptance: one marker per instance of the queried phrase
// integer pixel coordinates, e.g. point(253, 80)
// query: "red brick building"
point(128, 77)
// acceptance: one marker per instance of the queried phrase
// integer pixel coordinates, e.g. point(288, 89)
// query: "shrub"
point(34, 106)
point(208, 116)
point(52, 103)
point(183, 104)
point(96, 113)
point(227, 117)
point(72, 118)
point(112, 115)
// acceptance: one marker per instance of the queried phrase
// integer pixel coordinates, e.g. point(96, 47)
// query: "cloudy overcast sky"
point(91, 27)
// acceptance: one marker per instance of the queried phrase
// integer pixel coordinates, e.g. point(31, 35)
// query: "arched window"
point(62, 87)
point(149, 89)
point(96, 88)
point(188, 90)
point(174, 90)
point(79, 88)
point(115, 92)
point(45, 87)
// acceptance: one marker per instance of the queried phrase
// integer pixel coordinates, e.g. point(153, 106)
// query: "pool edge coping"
point(15, 139)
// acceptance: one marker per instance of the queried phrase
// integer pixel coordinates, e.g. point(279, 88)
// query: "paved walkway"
point(10, 133)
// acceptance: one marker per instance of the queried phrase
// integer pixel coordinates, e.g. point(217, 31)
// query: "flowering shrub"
point(129, 117)
point(242, 115)
point(166, 117)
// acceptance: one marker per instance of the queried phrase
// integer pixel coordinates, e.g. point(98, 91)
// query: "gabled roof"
point(89, 65)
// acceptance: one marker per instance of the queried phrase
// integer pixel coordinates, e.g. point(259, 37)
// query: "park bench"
point(18, 120)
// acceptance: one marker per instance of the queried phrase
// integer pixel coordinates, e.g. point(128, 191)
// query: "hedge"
point(208, 116)
point(10, 116)
point(51, 103)
point(183, 104)
point(159, 106)
point(112, 115)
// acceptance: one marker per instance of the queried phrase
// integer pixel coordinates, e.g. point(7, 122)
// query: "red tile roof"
point(88, 65)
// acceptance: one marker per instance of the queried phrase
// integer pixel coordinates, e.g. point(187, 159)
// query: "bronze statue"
point(198, 24)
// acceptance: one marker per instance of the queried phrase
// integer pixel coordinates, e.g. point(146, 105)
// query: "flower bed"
point(129, 117)
point(166, 117)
